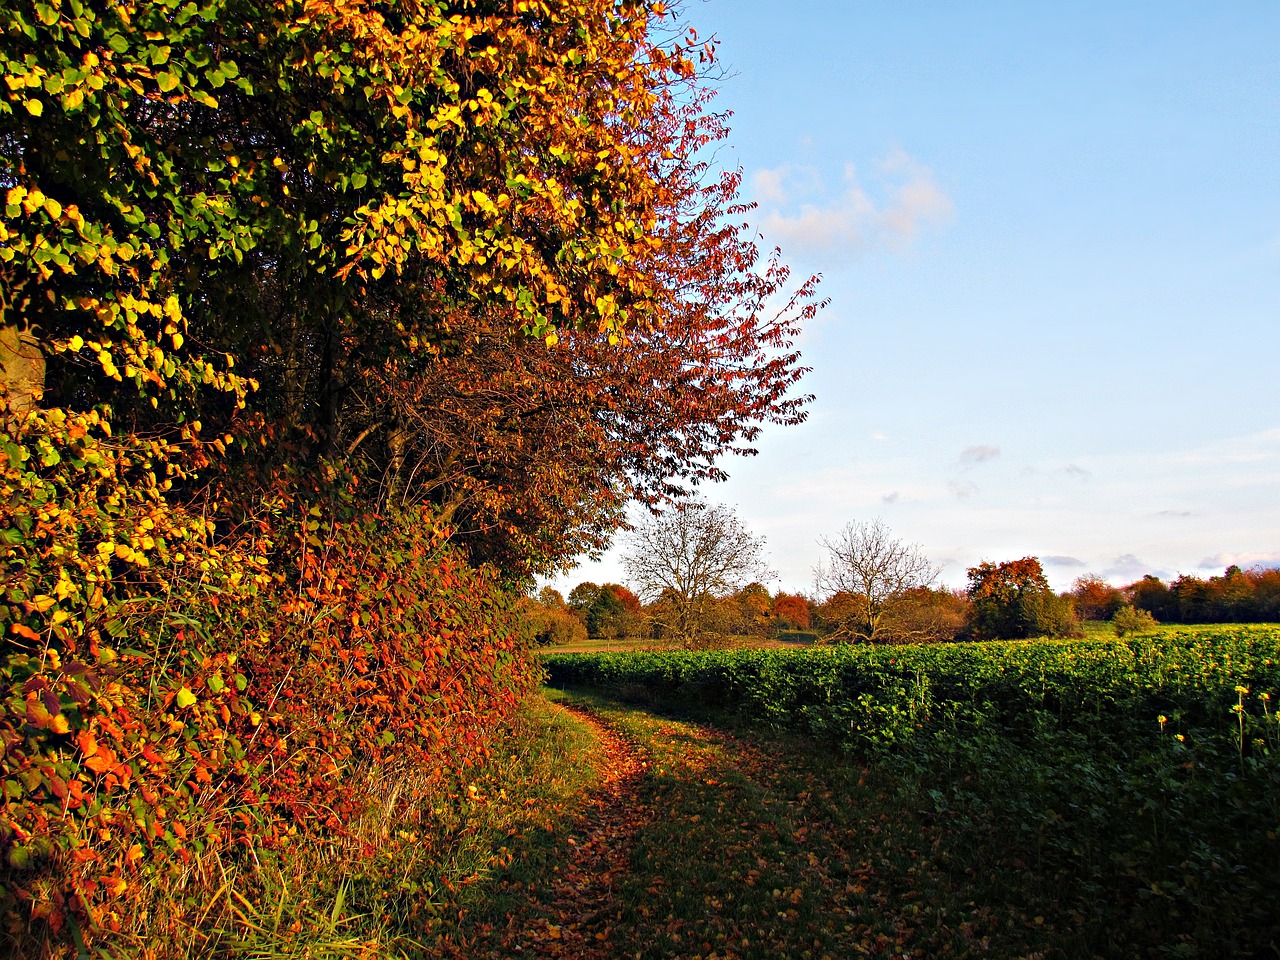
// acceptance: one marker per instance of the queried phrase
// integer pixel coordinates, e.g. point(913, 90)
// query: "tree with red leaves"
point(1013, 600)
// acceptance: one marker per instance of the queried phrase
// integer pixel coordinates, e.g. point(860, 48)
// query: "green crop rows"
point(1135, 782)
point(875, 697)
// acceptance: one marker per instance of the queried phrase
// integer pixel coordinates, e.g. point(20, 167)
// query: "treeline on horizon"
point(927, 614)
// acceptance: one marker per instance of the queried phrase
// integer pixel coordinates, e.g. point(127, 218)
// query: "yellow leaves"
point(40, 603)
point(34, 107)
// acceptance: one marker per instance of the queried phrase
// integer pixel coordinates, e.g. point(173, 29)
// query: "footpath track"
point(575, 915)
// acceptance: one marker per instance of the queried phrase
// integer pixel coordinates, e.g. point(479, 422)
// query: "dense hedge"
point(315, 704)
point(864, 697)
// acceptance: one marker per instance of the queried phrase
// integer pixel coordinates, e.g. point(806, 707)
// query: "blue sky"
point(1050, 233)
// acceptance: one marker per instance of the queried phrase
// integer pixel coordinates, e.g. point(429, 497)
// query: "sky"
point(1050, 234)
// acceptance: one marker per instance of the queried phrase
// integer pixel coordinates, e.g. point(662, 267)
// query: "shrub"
point(1130, 620)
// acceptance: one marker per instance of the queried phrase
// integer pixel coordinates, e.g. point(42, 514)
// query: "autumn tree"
point(549, 620)
point(1013, 600)
point(300, 299)
point(609, 610)
point(791, 611)
point(691, 556)
point(1095, 599)
point(869, 573)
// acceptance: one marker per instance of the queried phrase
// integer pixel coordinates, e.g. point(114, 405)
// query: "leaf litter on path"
point(573, 912)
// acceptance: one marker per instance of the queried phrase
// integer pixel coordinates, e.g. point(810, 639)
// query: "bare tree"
point(867, 575)
point(688, 558)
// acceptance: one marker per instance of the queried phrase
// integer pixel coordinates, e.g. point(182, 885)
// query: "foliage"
point(1237, 596)
point(549, 620)
point(689, 558)
point(610, 611)
point(1095, 599)
point(312, 310)
point(1013, 600)
point(791, 612)
point(212, 727)
point(1128, 620)
point(866, 579)
point(1130, 835)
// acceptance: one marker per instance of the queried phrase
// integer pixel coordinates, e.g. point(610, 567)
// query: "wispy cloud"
point(1220, 561)
point(1128, 567)
point(879, 436)
point(892, 497)
point(1076, 472)
point(1060, 561)
point(962, 489)
point(1174, 513)
point(799, 212)
point(972, 456)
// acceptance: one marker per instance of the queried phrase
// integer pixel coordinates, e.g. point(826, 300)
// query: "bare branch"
point(689, 556)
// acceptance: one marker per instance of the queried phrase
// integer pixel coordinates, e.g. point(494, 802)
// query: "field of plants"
point(1124, 793)
point(867, 697)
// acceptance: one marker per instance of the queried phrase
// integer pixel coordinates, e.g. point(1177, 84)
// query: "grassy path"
point(571, 912)
point(692, 842)
point(698, 844)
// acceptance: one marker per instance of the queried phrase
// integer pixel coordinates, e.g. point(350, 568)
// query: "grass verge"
point(406, 881)
point(777, 846)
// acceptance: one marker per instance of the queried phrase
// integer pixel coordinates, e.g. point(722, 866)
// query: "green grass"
point(768, 846)
point(404, 881)
point(1067, 826)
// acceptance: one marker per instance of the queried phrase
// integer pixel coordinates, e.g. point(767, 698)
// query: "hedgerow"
point(247, 710)
point(865, 697)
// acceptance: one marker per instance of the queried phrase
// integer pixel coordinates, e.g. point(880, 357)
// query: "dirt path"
point(574, 914)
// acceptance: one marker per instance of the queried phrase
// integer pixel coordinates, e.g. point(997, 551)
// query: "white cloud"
point(981, 453)
point(855, 220)
point(1220, 561)
point(767, 186)
point(879, 436)
point(1128, 568)
point(962, 489)
point(1057, 561)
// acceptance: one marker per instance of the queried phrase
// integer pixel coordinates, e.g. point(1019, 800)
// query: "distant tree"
point(549, 620)
point(1237, 596)
point(619, 612)
point(609, 610)
point(754, 613)
point(1013, 600)
point(1127, 620)
point(690, 557)
point(551, 597)
point(929, 615)
point(1095, 599)
point(1152, 594)
point(866, 576)
point(791, 611)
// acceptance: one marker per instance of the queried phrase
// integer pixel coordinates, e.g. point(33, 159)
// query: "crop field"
point(1105, 797)
point(865, 697)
